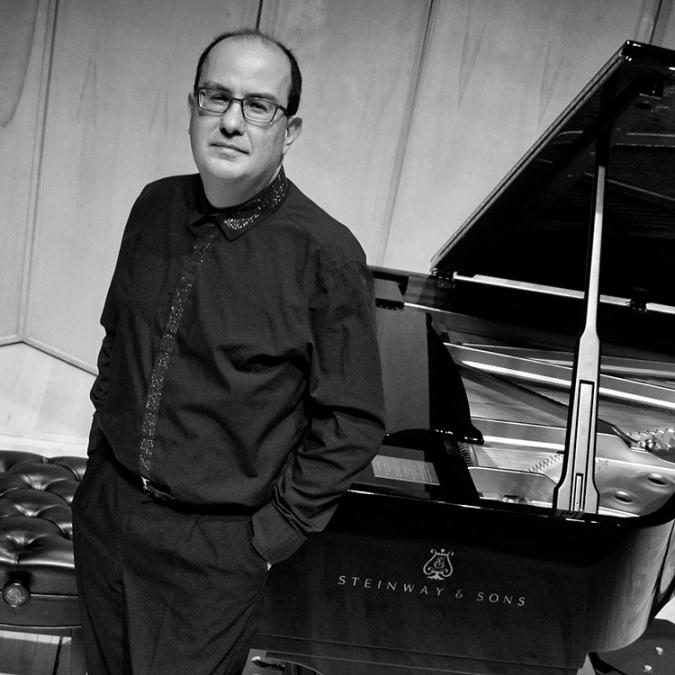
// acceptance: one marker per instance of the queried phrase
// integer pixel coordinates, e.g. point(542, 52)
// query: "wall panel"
point(664, 35)
point(117, 118)
point(24, 36)
point(360, 63)
point(497, 73)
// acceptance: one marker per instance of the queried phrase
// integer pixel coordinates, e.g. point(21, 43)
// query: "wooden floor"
point(25, 654)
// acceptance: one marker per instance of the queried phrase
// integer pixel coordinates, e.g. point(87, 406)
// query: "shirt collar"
point(235, 220)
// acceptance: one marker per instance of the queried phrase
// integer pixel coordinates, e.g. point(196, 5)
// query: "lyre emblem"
point(438, 567)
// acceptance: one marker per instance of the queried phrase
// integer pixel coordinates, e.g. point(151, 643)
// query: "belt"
point(160, 493)
point(155, 491)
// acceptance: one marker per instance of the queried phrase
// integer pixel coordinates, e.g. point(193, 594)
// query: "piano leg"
point(259, 663)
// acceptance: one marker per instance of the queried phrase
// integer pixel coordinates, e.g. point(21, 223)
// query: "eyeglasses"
point(254, 109)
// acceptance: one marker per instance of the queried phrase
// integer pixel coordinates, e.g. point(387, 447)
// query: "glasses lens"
point(213, 100)
point(259, 109)
point(254, 109)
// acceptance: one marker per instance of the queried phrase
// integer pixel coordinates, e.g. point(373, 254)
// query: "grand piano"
point(520, 514)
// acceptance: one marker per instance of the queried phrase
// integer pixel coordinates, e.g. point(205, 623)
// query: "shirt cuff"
point(95, 435)
point(274, 537)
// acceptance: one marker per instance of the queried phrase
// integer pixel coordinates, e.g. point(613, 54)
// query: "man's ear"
point(191, 102)
point(293, 130)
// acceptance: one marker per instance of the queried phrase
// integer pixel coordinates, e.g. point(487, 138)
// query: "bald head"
point(253, 35)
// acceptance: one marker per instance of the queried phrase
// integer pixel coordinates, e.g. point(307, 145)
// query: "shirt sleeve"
point(346, 416)
point(99, 391)
point(100, 388)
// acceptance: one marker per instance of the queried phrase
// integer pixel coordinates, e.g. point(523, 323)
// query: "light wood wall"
point(360, 63)
point(24, 30)
point(413, 110)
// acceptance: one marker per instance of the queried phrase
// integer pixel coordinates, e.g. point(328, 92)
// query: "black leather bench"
point(37, 573)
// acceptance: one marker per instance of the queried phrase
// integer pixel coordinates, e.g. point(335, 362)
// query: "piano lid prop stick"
point(576, 490)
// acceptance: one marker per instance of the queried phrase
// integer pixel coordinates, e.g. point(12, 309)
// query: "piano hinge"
point(444, 279)
point(638, 300)
point(571, 515)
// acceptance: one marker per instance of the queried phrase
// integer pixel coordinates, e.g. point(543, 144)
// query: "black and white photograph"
point(337, 337)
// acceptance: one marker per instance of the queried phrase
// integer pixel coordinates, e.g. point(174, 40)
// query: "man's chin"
point(225, 169)
point(227, 185)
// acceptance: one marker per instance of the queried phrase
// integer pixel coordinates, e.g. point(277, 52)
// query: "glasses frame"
point(240, 101)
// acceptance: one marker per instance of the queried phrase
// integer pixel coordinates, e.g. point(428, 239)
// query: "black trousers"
point(162, 590)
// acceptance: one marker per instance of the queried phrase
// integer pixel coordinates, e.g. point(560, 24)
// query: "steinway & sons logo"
point(438, 569)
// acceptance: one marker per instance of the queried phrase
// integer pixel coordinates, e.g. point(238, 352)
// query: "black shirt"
point(240, 366)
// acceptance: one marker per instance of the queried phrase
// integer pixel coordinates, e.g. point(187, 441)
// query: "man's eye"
point(258, 106)
point(218, 97)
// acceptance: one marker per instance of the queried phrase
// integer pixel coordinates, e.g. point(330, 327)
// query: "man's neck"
point(222, 195)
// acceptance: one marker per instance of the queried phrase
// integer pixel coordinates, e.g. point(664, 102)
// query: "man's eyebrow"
point(211, 84)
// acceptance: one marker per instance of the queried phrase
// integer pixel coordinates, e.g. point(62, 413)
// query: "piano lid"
point(532, 229)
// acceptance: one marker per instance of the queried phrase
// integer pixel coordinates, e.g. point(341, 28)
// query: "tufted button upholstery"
point(36, 551)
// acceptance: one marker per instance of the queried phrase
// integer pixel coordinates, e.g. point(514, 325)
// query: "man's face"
point(230, 152)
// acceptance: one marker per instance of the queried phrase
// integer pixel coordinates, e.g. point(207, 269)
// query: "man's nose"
point(232, 120)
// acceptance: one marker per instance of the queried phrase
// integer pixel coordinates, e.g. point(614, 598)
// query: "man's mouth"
point(228, 146)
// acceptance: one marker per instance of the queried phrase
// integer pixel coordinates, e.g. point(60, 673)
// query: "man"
point(239, 389)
